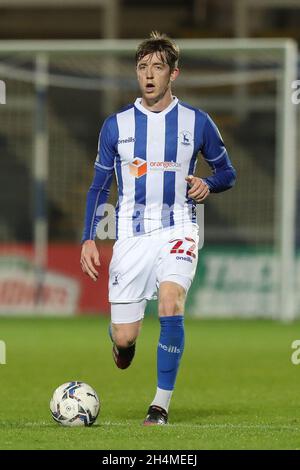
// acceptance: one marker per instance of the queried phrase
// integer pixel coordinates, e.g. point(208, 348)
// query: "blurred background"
point(68, 64)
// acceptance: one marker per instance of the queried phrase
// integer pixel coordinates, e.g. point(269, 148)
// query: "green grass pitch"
point(237, 387)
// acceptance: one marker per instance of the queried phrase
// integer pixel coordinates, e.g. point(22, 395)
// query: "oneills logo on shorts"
point(138, 167)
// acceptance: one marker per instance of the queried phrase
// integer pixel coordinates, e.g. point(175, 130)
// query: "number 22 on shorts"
point(177, 248)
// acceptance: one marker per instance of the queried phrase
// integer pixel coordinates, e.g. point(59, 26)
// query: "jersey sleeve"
point(99, 190)
point(215, 153)
point(107, 143)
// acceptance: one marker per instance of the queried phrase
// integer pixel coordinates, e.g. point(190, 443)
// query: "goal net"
point(59, 92)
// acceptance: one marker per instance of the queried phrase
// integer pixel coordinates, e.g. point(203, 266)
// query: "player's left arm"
point(215, 153)
point(199, 189)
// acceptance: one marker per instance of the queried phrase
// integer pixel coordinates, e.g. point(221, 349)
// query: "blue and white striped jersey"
point(151, 154)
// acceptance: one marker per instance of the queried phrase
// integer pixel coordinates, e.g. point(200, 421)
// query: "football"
point(75, 404)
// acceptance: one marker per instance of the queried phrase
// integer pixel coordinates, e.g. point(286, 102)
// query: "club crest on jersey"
point(185, 138)
point(138, 167)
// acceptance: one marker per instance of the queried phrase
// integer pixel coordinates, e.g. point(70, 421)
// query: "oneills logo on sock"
point(170, 348)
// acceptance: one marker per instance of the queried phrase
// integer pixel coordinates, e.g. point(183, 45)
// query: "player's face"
point(155, 77)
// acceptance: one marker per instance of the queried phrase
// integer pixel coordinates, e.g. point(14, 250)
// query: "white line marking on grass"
point(233, 426)
point(215, 426)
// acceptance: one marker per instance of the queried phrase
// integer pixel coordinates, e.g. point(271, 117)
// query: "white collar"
point(152, 114)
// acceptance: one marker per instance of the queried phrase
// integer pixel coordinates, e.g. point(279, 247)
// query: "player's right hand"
point(89, 259)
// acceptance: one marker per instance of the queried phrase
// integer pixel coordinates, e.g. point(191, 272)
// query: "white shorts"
point(140, 264)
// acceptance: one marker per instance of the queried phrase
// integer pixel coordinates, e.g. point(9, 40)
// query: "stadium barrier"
point(225, 280)
point(62, 290)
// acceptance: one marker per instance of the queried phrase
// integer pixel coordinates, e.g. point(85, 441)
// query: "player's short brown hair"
point(162, 44)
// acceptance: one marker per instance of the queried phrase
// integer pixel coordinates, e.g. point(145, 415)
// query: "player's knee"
point(170, 304)
point(171, 299)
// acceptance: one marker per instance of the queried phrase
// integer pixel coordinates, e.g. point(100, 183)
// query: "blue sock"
point(169, 351)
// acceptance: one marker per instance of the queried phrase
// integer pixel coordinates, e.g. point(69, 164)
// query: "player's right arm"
point(97, 196)
point(89, 259)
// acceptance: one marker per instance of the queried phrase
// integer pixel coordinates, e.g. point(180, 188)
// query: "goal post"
point(287, 183)
point(209, 65)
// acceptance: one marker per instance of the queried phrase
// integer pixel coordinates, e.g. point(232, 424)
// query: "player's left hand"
point(199, 190)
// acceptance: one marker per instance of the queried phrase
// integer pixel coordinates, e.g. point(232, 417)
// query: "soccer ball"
point(75, 404)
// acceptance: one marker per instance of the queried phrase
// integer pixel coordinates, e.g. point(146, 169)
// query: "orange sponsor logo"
point(138, 167)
